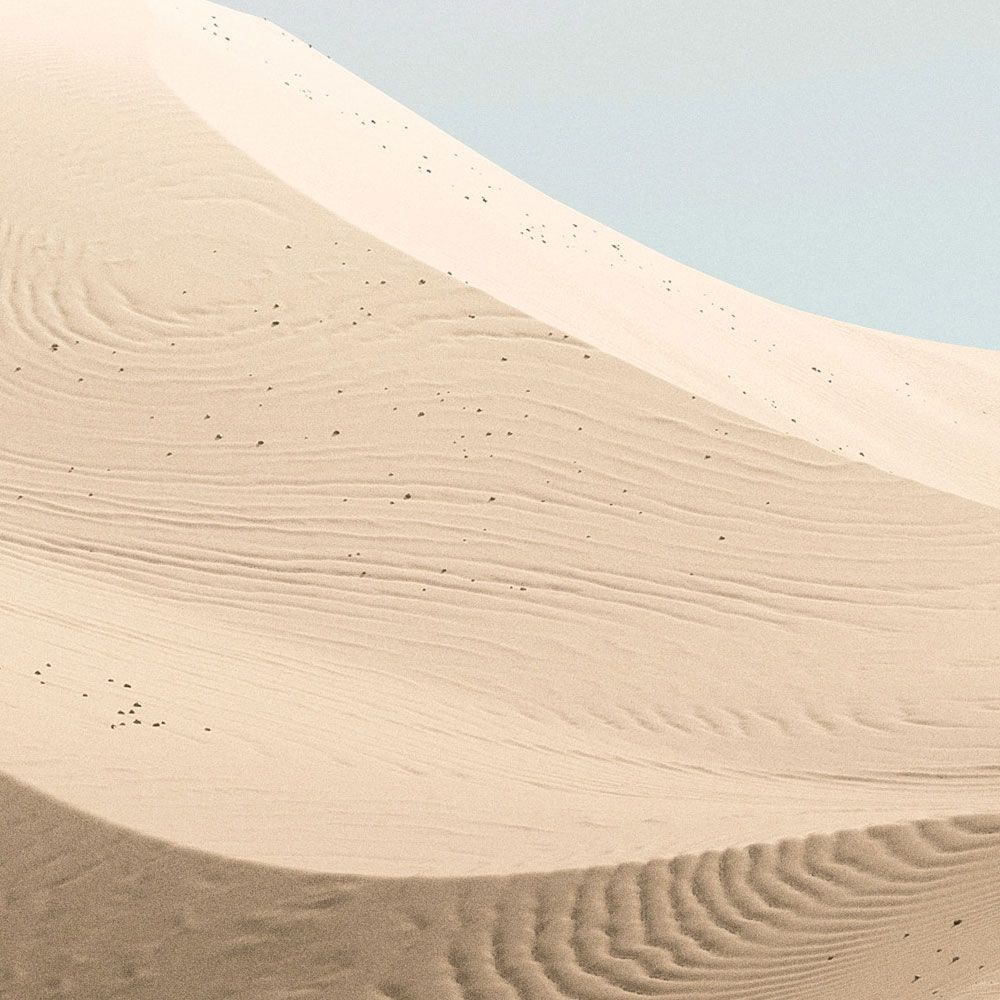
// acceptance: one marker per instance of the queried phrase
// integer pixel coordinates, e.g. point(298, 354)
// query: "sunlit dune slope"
point(927, 411)
point(410, 580)
point(353, 525)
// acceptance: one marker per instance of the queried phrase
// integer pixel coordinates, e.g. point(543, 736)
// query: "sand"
point(412, 588)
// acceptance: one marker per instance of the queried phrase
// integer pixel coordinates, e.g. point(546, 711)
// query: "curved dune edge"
point(926, 411)
point(315, 555)
point(888, 912)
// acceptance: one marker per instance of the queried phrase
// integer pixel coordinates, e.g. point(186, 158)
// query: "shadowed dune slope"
point(313, 554)
point(878, 914)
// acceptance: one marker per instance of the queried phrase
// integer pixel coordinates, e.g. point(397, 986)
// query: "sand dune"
point(922, 410)
point(369, 514)
point(892, 911)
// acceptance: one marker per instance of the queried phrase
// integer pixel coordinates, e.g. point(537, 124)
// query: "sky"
point(841, 158)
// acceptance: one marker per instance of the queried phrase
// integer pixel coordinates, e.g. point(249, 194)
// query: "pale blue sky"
point(843, 158)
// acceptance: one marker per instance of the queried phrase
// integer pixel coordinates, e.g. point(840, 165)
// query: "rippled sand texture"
point(893, 911)
point(364, 512)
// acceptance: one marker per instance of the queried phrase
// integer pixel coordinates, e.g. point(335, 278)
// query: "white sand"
point(315, 555)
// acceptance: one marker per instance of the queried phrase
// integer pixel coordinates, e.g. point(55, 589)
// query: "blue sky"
point(842, 158)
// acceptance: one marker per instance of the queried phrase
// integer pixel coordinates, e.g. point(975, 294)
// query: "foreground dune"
point(892, 911)
point(354, 525)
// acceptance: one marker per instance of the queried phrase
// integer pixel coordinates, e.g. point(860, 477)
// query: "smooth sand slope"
point(571, 560)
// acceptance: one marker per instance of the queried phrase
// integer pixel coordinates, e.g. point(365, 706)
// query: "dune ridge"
point(913, 408)
point(499, 608)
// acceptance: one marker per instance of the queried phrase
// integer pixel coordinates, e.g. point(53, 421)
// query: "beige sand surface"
point(571, 561)
point(900, 911)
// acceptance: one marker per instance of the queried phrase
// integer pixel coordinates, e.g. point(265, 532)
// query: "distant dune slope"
point(927, 411)
point(316, 555)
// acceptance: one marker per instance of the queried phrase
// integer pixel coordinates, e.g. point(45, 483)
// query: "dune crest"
point(926, 411)
point(516, 600)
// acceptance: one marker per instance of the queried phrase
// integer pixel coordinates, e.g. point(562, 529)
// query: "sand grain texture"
point(413, 589)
